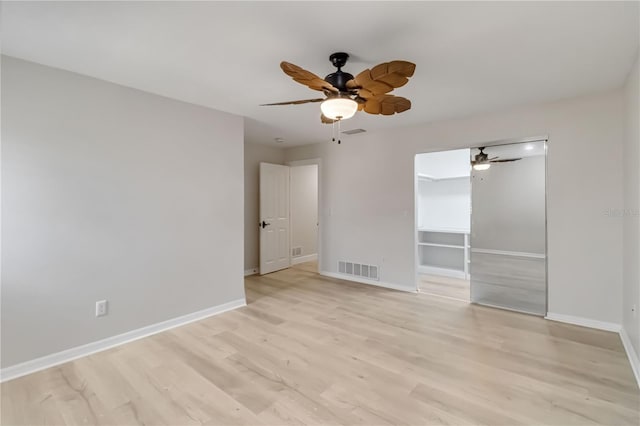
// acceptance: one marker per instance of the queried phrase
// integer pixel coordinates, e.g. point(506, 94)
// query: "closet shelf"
point(422, 176)
point(444, 251)
point(445, 230)
point(441, 245)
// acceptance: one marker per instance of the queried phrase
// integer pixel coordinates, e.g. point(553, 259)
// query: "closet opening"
point(443, 223)
point(481, 233)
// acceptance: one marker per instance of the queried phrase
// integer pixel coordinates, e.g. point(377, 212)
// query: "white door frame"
point(308, 162)
point(416, 254)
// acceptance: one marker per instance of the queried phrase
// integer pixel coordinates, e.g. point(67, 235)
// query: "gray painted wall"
point(368, 195)
point(111, 193)
point(304, 208)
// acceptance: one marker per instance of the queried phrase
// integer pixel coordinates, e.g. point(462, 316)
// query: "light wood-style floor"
point(314, 350)
point(445, 286)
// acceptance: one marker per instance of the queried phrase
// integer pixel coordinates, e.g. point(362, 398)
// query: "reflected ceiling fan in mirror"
point(346, 94)
point(482, 161)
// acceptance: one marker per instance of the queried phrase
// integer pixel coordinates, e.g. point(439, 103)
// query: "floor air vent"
point(369, 272)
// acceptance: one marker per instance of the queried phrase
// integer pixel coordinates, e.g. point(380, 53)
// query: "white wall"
point(631, 212)
point(111, 193)
point(444, 164)
point(254, 154)
point(368, 192)
point(446, 203)
point(304, 208)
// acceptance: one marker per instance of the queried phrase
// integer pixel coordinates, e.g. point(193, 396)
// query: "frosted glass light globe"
point(339, 108)
point(481, 166)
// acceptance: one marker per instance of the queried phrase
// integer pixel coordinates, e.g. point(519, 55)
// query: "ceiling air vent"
point(353, 131)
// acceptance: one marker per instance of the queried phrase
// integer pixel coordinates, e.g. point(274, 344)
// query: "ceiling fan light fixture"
point(481, 166)
point(339, 108)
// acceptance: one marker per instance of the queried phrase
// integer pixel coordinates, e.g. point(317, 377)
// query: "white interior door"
point(274, 218)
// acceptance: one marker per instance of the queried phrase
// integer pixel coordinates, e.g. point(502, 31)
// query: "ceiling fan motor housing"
point(339, 78)
point(482, 157)
point(338, 59)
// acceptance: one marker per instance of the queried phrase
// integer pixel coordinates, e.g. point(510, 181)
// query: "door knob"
point(264, 224)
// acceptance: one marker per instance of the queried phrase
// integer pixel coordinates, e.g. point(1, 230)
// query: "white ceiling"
point(471, 57)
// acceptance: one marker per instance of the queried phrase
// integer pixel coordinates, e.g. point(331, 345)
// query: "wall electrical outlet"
point(101, 308)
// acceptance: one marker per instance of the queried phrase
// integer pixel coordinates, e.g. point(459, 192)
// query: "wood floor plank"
point(455, 288)
point(315, 350)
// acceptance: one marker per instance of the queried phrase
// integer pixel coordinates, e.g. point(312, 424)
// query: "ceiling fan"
point(483, 162)
point(346, 94)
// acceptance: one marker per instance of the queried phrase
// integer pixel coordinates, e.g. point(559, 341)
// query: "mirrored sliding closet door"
point(508, 227)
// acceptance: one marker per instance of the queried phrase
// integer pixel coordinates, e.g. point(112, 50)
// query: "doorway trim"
point(309, 162)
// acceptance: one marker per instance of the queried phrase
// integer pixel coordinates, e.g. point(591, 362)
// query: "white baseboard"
point(368, 282)
point(302, 259)
point(584, 322)
point(67, 355)
point(631, 354)
point(252, 271)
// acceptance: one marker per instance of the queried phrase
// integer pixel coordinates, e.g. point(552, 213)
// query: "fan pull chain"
point(333, 131)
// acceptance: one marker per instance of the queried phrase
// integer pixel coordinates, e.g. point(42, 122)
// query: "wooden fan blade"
point(372, 106)
point(364, 93)
point(404, 68)
point(382, 78)
point(394, 79)
point(326, 120)
point(387, 105)
point(506, 160)
point(302, 101)
point(307, 78)
point(364, 81)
